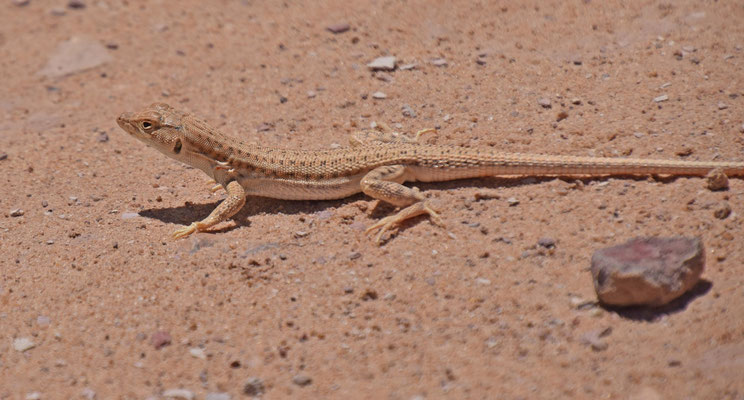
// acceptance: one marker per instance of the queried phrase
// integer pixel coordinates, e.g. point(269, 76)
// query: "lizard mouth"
point(125, 122)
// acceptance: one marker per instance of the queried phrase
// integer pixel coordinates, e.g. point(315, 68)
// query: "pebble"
point(512, 201)
point(382, 64)
point(33, 396)
point(379, 95)
point(439, 62)
point(76, 4)
point(546, 242)
point(129, 215)
point(16, 212)
point(594, 340)
point(43, 320)
point(179, 394)
point(722, 211)
point(160, 339)
point(197, 352)
point(408, 111)
point(264, 127)
point(741, 129)
point(218, 396)
point(88, 393)
point(722, 106)
point(311, 94)
point(406, 67)
point(75, 55)
point(102, 137)
point(302, 380)
point(544, 102)
point(21, 3)
point(576, 101)
point(4, 156)
point(338, 28)
point(22, 344)
point(661, 98)
point(57, 11)
point(717, 180)
point(254, 387)
point(647, 271)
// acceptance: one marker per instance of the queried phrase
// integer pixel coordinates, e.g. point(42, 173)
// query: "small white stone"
point(379, 95)
point(198, 353)
point(22, 344)
point(439, 62)
point(218, 396)
point(382, 64)
point(661, 98)
point(179, 394)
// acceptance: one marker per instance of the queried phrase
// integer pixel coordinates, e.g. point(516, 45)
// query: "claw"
point(387, 223)
point(422, 132)
point(185, 231)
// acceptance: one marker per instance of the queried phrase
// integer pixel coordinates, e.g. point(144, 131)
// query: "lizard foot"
point(387, 223)
point(188, 230)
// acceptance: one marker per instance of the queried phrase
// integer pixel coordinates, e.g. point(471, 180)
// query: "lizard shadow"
point(190, 212)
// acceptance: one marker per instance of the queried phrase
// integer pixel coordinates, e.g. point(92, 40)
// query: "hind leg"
point(385, 183)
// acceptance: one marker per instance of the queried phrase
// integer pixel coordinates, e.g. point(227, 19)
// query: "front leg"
point(229, 207)
point(385, 183)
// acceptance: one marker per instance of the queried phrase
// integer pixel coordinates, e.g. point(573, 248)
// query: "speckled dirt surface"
point(294, 294)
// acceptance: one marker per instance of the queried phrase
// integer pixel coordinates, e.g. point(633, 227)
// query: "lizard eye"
point(146, 125)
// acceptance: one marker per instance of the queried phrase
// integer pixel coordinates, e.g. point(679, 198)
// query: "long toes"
point(382, 225)
point(184, 232)
point(434, 216)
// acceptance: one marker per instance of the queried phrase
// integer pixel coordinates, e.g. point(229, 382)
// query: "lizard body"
point(376, 167)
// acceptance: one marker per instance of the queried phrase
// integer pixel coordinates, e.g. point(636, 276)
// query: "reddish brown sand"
point(294, 294)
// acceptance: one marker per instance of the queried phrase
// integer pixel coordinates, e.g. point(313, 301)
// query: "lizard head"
point(159, 126)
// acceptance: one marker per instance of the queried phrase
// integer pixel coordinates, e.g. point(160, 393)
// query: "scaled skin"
point(377, 167)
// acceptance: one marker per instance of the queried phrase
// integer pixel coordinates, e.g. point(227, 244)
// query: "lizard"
point(376, 167)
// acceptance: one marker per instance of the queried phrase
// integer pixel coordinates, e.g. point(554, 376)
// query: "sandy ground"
point(292, 297)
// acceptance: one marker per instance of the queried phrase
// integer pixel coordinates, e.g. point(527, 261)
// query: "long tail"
point(444, 164)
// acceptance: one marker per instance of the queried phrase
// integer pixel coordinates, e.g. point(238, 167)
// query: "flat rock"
point(647, 271)
point(382, 64)
point(338, 28)
point(75, 55)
